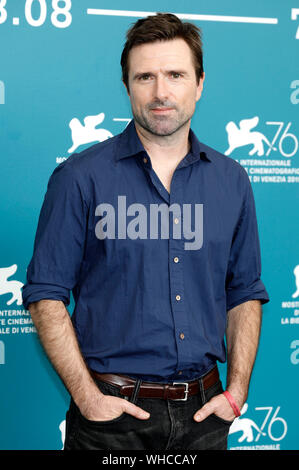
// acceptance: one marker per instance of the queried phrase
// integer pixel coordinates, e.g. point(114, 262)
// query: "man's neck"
point(165, 150)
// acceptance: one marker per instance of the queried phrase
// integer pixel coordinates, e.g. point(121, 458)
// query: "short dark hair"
point(163, 27)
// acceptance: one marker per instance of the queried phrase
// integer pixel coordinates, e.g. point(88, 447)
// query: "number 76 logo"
point(273, 425)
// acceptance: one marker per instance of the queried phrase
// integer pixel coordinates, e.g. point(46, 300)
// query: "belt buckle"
point(185, 391)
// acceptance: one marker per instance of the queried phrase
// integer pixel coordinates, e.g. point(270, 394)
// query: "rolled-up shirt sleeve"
point(59, 241)
point(243, 280)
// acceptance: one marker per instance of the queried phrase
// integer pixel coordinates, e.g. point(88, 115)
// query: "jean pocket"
point(221, 420)
point(106, 389)
point(95, 424)
point(211, 392)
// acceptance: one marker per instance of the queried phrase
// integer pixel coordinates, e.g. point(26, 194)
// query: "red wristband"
point(232, 403)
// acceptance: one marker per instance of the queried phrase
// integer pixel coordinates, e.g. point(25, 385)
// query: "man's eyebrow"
point(140, 74)
point(182, 72)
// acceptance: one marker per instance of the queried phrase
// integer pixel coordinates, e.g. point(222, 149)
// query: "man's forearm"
point(242, 337)
point(58, 338)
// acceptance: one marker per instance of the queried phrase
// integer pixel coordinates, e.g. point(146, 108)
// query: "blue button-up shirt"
point(150, 302)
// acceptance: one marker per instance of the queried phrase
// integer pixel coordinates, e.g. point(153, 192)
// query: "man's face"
point(163, 89)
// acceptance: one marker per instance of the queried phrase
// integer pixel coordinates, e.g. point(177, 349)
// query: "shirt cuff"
point(237, 296)
point(36, 292)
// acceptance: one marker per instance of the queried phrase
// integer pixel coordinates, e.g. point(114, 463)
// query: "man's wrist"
point(232, 403)
point(237, 394)
point(88, 401)
point(87, 393)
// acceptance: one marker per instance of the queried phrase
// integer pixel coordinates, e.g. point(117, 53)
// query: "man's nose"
point(161, 88)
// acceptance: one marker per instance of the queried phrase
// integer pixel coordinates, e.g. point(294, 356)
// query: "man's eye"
point(144, 77)
point(175, 74)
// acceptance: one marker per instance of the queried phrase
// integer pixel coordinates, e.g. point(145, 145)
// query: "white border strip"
point(185, 16)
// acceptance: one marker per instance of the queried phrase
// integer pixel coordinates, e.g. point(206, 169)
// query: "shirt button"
point(176, 259)
point(178, 297)
point(182, 336)
point(145, 159)
point(176, 220)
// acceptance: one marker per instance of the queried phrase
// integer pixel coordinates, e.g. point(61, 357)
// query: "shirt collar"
point(129, 145)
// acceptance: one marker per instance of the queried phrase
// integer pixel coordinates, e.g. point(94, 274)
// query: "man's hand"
point(217, 405)
point(57, 335)
point(107, 407)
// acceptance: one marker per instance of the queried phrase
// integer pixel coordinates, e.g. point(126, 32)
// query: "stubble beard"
point(161, 125)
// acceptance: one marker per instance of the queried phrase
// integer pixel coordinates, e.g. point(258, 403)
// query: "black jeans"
point(170, 427)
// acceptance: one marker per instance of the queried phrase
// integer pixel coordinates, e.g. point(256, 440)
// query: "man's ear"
point(127, 88)
point(200, 87)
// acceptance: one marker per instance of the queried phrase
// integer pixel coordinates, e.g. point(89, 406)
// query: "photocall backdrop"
point(59, 64)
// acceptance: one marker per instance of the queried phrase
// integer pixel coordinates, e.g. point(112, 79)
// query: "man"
point(139, 357)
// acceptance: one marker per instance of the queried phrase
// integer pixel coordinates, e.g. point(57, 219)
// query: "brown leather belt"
point(172, 391)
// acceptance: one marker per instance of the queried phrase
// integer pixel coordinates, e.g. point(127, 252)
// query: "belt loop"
point(202, 391)
point(135, 391)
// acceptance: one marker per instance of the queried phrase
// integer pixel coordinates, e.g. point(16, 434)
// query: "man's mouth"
point(161, 110)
